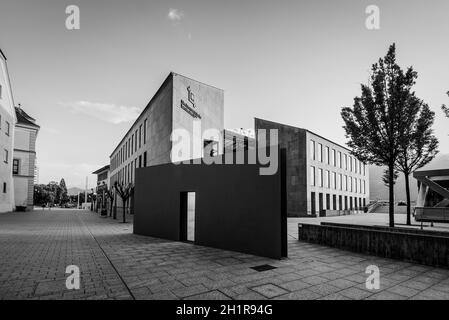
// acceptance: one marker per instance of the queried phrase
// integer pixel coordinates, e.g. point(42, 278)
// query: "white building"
point(7, 123)
point(24, 160)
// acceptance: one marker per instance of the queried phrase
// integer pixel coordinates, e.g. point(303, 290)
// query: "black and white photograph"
point(242, 151)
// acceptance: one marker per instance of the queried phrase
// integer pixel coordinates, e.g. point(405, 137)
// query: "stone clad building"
point(180, 105)
point(7, 123)
point(24, 160)
point(323, 178)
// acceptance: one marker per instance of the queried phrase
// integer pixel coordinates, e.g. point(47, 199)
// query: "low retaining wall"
point(425, 247)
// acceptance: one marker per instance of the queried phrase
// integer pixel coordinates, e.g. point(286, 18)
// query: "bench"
point(432, 214)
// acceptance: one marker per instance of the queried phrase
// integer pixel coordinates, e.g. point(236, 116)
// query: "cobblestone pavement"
point(36, 248)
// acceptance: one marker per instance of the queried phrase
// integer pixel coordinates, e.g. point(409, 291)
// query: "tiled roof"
point(24, 118)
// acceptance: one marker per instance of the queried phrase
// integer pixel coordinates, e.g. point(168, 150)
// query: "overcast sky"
point(294, 62)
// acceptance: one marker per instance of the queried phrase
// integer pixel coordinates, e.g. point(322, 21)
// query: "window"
point(6, 156)
point(4, 187)
point(355, 165)
point(334, 158)
point(135, 142)
point(132, 143)
point(350, 163)
point(145, 159)
point(339, 162)
point(140, 136)
point(15, 166)
point(145, 131)
point(312, 176)
point(140, 161)
point(340, 182)
point(327, 156)
point(326, 179)
point(7, 128)
point(312, 150)
point(346, 162)
point(350, 184)
point(320, 152)
point(320, 177)
point(132, 171)
point(334, 180)
point(345, 183)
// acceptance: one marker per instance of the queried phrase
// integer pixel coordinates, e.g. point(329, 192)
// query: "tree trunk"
point(391, 191)
point(407, 193)
point(124, 211)
point(114, 214)
point(111, 207)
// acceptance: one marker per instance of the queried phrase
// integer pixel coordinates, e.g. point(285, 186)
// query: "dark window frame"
point(15, 166)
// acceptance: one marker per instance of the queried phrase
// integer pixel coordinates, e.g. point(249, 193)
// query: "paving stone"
point(36, 247)
point(386, 295)
point(355, 293)
point(304, 294)
point(295, 285)
point(403, 291)
point(269, 290)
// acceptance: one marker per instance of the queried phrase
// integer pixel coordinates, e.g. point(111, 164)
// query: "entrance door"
point(312, 203)
point(320, 205)
point(187, 214)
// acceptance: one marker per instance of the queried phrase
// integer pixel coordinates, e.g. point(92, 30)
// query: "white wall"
point(7, 113)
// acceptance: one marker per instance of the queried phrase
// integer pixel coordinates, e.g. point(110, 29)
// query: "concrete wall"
point(162, 114)
point(299, 178)
point(25, 152)
point(418, 246)
point(208, 102)
point(7, 114)
point(293, 140)
point(235, 209)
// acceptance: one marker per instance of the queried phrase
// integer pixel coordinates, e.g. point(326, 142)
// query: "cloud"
point(175, 15)
point(105, 111)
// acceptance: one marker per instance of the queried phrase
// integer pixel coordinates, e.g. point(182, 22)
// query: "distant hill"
point(74, 191)
point(379, 191)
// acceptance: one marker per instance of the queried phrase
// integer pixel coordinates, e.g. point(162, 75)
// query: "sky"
point(294, 62)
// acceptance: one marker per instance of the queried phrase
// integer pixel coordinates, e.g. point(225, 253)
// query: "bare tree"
point(124, 192)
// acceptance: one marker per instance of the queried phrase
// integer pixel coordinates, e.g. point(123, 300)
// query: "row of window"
point(336, 158)
point(343, 203)
point(126, 174)
point(336, 181)
point(130, 146)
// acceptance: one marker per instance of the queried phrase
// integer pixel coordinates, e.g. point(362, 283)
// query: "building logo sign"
point(190, 109)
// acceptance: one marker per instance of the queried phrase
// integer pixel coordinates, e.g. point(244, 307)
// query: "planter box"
point(425, 247)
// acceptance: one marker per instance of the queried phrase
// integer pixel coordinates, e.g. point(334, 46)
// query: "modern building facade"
point(323, 178)
point(7, 123)
point(103, 185)
point(433, 195)
point(24, 159)
point(181, 109)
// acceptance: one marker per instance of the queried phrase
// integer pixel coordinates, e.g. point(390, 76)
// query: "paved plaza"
point(36, 248)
